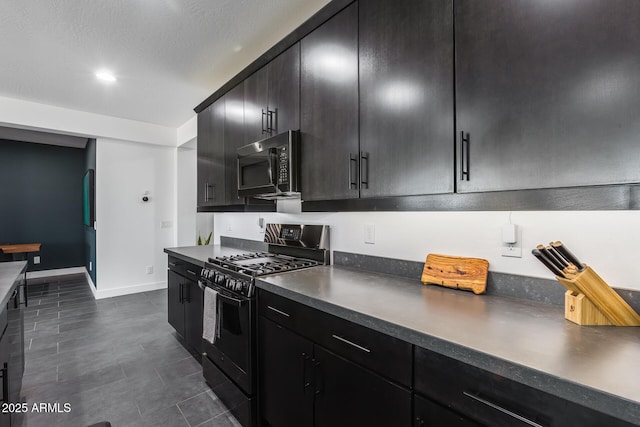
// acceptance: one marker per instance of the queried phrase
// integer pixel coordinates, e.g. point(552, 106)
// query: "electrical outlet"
point(149, 269)
point(166, 224)
point(229, 227)
point(36, 260)
point(511, 241)
point(370, 234)
point(90, 266)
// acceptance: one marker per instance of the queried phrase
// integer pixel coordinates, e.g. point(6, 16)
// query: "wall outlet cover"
point(370, 234)
point(36, 260)
point(149, 269)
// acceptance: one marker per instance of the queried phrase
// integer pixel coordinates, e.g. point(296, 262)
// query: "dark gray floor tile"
point(167, 417)
point(225, 419)
point(201, 408)
point(166, 396)
point(176, 370)
point(37, 317)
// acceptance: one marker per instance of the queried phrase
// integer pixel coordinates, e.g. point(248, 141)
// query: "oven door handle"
point(235, 301)
point(223, 296)
point(272, 159)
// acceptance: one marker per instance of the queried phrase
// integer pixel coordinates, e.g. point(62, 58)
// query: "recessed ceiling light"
point(106, 76)
point(237, 48)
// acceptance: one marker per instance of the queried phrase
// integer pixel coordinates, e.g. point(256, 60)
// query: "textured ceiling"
point(168, 55)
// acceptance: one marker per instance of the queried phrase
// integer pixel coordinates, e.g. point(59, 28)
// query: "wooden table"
point(20, 249)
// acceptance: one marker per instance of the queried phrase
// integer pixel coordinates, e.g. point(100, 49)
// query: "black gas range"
point(229, 360)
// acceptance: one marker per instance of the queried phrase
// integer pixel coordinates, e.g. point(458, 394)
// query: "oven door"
point(233, 351)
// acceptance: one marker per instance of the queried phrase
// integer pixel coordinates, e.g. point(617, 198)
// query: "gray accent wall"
point(41, 201)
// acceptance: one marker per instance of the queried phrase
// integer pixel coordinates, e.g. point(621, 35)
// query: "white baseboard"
point(92, 285)
point(55, 272)
point(108, 293)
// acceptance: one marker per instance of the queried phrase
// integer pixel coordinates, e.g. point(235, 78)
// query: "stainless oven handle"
point(221, 295)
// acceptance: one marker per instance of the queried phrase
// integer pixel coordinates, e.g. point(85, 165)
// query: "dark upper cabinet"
point(547, 93)
point(211, 161)
point(272, 97)
point(233, 138)
point(255, 106)
point(284, 91)
point(406, 97)
point(329, 109)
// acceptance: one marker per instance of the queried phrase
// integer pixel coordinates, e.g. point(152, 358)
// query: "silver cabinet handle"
point(359, 347)
point(278, 311)
point(501, 409)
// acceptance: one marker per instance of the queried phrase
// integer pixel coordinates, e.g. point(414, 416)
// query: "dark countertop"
point(9, 272)
point(525, 341)
point(199, 254)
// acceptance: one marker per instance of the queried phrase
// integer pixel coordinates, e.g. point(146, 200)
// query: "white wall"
point(48, 118)
point(606, 240)
point(129, 233)
point(186, 193)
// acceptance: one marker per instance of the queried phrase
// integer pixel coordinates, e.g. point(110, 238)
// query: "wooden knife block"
point(589, 300)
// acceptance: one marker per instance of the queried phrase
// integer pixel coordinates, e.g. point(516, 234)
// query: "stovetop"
point(261, 263)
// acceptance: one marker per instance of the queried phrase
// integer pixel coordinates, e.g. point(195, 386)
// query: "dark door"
point(233, 138)
point(430, 414)
point(193, 306)
point(329, 109)
point(406, 97)
point(548, 92)
point(211, 173)
point(175, 292)
point(284, 91)
point(284, 382)
point(255, 106)
point(349, 395)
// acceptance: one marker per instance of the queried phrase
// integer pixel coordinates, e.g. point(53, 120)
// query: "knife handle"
point(555, 270)
point(551, 251)
point(566, 253)
point(549, 257)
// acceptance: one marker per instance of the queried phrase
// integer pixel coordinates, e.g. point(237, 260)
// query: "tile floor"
point(114, 359)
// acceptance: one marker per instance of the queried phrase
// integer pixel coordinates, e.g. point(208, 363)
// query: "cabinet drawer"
point(183, 268)
point(387, 356)
point(494, 400)
point(290, 314)
point(383, 354)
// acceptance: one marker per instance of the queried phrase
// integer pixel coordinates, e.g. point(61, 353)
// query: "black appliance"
point(229, 364)
point(269, 169)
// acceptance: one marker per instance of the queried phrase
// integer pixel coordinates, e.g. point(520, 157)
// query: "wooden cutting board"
point(469, 274)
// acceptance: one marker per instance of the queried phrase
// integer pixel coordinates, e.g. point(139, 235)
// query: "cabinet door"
point(284, 376)
point(430, 414)
point(255, 104)
point(329, 109)
point(211, 155)
point(348, 395)
point(175, 285)
point(193, 307)
point(284, 90)
point(548, 93)
point(406, 97)
point(233, 139)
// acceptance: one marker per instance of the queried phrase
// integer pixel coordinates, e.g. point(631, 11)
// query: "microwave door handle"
point(272, 158)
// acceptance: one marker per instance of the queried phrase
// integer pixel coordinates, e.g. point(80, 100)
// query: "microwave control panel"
point(283, 159)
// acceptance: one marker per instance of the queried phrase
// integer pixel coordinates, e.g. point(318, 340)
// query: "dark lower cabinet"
point(494, 400)
point(185, 303)
point(427, 413)
point(348, 395)
point(285, 370)
point(302, 383)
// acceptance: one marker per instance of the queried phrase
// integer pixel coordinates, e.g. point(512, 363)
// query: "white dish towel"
point(210, 323)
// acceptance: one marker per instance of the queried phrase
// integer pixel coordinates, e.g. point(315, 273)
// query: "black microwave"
point(269, 169)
